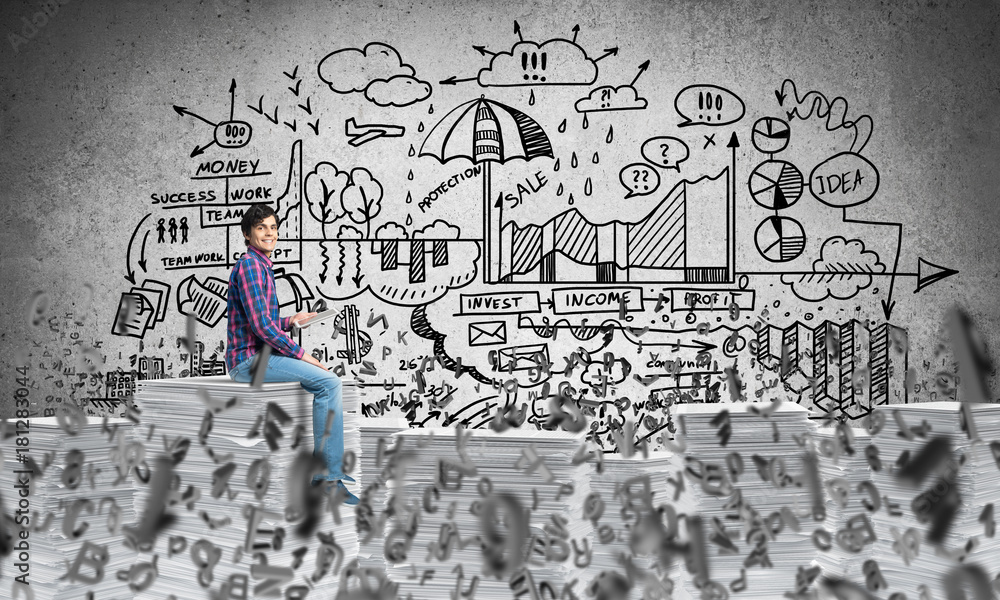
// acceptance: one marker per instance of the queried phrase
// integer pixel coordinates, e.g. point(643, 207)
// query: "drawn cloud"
point(397, 91)
point(611, 98)
point(849, 266)
point(438, 230)
point(378, 71)
point(555, 62)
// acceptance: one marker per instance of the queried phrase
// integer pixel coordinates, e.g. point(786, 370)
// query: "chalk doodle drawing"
point(535, 316)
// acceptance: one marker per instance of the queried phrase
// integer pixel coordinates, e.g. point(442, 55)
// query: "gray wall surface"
point(90, 134)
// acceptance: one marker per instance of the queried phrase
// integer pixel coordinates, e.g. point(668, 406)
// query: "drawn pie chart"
point(776, 184)
point(780, 239)
point(770, 135)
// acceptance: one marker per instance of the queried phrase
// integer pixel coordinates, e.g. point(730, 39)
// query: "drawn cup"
point(666, 152)
point(639, 179)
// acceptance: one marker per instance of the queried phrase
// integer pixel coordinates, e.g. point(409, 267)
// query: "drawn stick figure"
point(160, 230)
point(184, 230)
point(173, 230)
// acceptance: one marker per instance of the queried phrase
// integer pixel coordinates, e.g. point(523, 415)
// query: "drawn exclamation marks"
point(544, 56)
point(524, 64)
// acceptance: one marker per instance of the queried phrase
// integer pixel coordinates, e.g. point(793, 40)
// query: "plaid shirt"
point(253, 311)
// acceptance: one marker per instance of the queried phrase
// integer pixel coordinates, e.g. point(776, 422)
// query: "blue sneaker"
point(341, 490)
point(347, 478)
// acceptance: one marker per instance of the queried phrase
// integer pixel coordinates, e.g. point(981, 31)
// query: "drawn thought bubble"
point(667, 152)
point(639, 179)
point(708, 105)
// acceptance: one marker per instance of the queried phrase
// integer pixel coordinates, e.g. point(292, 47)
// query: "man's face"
point(264, 235)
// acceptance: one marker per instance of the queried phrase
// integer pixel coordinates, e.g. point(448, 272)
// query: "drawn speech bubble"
point(639, 179)
point(708, 105)
point(666, 152)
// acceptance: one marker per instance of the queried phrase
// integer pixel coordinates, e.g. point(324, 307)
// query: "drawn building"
point(845, 367)
point(151, 367)
point(120, 384)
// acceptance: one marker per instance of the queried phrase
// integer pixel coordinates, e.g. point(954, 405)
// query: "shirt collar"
point(260, 255)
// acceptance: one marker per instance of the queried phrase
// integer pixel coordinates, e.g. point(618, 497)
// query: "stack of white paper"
point(744, 468)
point(845, 474)
point(376, 441)
point(627, 487)
point(922, 487)
point(506, 473)
point(243, 498)
point(79, 480)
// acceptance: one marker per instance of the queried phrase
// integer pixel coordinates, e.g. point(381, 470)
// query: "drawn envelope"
point(521, 358)
point(488, 333)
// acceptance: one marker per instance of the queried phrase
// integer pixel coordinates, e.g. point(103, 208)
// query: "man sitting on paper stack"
point(254, 321)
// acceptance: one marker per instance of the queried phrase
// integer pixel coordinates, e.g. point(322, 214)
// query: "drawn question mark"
point(664, 148)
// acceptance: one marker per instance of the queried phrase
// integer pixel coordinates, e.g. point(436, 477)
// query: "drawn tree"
point(324, 190)
point(362, 199)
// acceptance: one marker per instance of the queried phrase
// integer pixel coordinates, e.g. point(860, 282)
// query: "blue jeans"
point(326, 390)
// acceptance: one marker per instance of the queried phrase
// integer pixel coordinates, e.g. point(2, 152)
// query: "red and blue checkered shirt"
point(253, 311)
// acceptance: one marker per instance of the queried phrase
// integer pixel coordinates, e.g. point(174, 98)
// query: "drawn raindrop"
point(531, 98)
point(562, 126)
point(409, 198)
point(420, 127)
point(572, 161)
point(596, 159)
point(611, 134)
point(409, 220)
point(430, 110)
point(555, 167)
point(412, 151)
point(571, 198)
point(588, 187)
point(410, 175)
point(559, 190)
point(586, 121)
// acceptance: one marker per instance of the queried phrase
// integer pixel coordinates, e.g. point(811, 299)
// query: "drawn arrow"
point(888, 304)
point(926, 274)
point(576, 30)
point(453, 80)
point(181, 110)
point(200, 149)
point(431, 415)
point(142, 252)
point(128, 252)
point(780, 96)
point(357, 280)
point(608, 52)
point(517, 30)
point(695, 344)
point(642, 69)
point(734, 143)
point(483, 51)
point(232, 98)
point(362, 134)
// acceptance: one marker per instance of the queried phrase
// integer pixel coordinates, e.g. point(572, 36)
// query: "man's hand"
point(302, 316)
point(309, 358)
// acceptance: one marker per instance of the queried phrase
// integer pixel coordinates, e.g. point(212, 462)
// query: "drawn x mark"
point(709, 141)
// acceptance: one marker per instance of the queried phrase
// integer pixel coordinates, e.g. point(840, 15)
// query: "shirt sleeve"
point(257, 302)
point(283, 323)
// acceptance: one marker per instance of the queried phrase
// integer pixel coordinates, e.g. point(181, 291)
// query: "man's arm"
point(257, 302)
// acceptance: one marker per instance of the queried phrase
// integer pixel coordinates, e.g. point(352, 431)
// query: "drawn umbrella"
point(485, 131)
